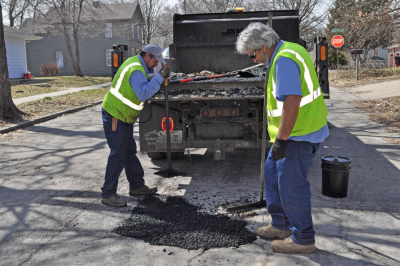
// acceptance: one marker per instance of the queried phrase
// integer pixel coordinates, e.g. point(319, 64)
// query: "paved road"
point(50, 211)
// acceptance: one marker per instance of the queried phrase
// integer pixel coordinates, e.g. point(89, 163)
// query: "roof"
point(9, 31)
point(96, 12)
point(393, 46)
point(122, 11)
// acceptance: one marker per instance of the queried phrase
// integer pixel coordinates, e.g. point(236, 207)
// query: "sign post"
point(337, 41)
point(357, 52)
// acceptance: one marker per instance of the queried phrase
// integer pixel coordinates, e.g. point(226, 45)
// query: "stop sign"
point(337, 41)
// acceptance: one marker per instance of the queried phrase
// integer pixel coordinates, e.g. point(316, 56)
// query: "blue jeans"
point(287, 191)
point(122, 155)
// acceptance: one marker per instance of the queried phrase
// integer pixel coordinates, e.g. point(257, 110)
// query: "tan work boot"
point(271, 232)
point(114, 200)
point(288, 246)
point(145, 190)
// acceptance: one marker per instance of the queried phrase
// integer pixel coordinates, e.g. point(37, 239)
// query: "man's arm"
point(143, 88)
point(289, 115)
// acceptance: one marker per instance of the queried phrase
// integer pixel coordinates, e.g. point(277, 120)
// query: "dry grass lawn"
point(347, 78)
point(57, 104)
point(386, 111)
point(57, 83)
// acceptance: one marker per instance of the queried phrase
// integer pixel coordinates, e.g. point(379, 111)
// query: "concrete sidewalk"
point(50, 210)
point(57, 93)
point(377, 90)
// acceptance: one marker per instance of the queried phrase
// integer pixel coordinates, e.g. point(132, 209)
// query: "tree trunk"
point(8, 110)
point(75, 64)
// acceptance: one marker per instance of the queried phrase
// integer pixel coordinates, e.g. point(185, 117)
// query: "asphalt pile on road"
point(172, 221)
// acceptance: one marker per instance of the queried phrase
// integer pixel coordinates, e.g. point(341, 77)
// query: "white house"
point(16, 51)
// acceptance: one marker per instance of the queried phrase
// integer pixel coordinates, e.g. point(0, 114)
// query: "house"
point(393, 54)
point(380, 52)
point(16, 41)
point(110, 24)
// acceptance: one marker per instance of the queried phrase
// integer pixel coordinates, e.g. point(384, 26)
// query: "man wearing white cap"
point(121, 108)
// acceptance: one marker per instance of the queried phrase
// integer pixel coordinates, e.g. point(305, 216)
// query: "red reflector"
point(164, 124)
point(233, 112)
point(204, 113)
point(220, 112)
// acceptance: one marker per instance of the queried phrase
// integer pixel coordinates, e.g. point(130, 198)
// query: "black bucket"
point(335, 176)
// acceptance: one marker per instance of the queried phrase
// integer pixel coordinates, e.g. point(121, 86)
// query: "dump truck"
point(222, 114)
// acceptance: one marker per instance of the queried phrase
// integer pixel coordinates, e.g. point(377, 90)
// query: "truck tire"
point(176, 155)
point(156, 155)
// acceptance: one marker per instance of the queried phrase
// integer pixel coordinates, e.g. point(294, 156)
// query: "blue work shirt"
point(143, 88)
point(288, 82)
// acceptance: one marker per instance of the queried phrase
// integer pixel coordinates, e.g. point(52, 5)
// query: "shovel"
point(244, 73)
point(169, 172)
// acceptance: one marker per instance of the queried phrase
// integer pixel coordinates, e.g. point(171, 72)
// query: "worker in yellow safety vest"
point(297, 125)
point(122, 105)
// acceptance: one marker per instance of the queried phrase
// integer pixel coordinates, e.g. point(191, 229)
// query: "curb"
point(46, 118)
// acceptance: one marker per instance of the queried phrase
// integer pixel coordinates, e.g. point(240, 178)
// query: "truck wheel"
point(175, 155)
point(156, 155)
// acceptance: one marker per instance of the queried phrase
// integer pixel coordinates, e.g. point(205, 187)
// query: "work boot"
point(288, 246)
point(114, 200)
point(145, 190)
point(271, 232)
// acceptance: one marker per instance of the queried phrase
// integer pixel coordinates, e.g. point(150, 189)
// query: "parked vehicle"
point(219, 114)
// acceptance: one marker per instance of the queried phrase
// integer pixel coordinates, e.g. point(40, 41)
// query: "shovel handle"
point(165, 80)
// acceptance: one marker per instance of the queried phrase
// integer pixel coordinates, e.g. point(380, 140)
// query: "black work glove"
point(165, 72)
point(278, 151)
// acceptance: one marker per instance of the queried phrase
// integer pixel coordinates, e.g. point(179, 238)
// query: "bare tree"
point(165, 21)
point(208, 6)
point(367, 24)
point(313, 14)
point(65, 17)
point(8, 110)
point(151, 10)
point(16, 10)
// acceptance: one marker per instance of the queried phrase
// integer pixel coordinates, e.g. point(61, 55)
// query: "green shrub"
point(332, 57)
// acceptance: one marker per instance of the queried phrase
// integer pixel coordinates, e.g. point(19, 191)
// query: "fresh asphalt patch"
point(172, 221)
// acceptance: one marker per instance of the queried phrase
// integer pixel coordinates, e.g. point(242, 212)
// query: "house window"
point(108, 57)
point(71, 34)
point(139, 32)
point(133, 31)
point(133, 51)
point(60, 59)
point(108, 30)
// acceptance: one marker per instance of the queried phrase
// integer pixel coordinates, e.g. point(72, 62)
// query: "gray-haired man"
point(296, 125)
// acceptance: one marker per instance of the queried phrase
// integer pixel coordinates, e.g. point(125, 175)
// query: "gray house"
point(112, 24)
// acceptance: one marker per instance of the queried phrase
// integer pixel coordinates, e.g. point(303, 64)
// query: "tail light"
point(219, 112)
point(115, 59)
point(233, 112)
point(323, 53)
point(205, 113)
point(164, 124)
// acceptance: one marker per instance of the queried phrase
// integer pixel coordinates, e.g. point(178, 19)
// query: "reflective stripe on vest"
point(304, 100)
point(116, 93)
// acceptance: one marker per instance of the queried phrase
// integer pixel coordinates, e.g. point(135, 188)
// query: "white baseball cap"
point(155, 50)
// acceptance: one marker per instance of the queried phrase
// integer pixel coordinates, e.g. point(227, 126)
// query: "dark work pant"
point(122, 155)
